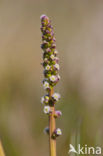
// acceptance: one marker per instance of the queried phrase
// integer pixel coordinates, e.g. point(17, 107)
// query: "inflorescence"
point(51, 68)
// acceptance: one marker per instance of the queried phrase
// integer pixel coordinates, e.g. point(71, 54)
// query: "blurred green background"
point(79, 34)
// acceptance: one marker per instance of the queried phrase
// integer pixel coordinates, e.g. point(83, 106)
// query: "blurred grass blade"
point(1, 150)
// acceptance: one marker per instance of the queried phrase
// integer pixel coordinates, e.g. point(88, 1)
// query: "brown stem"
point(52, 127)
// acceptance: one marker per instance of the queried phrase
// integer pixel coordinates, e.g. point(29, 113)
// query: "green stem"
point(52, 127)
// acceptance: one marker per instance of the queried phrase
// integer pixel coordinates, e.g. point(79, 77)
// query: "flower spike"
point(51, 77)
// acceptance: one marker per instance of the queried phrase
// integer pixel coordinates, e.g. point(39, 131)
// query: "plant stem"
point(52, 127)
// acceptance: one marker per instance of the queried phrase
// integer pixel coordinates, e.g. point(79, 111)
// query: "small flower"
point(56, 96)
point(57, 114)
point(56, 66)
point(46, 85)
point(46, 60)
point(47, 109)
point(52, 57)
point(58, 132)
point(47, 67)
point(53, 78)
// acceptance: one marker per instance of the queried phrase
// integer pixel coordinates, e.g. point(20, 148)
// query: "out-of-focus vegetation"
point(78, 27)
point(1, 150)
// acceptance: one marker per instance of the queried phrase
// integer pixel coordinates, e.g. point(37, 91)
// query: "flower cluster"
point(50, 59)
point(51, 66)
point(47, 100)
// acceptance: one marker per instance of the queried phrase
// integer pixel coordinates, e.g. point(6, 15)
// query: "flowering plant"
point(51, 78)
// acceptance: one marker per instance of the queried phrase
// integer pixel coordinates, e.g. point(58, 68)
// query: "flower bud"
point(45, 99)
point(57, 114)
point(53, 45)
point(48, 50)
point(44, 19)
point(46, 130)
